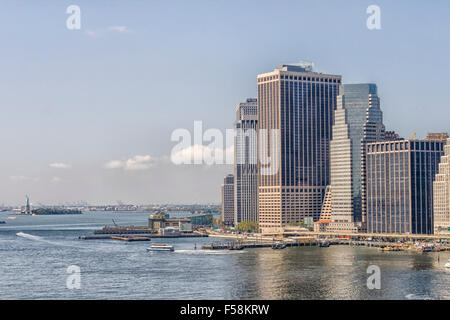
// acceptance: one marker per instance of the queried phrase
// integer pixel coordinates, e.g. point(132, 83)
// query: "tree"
point(248, 226)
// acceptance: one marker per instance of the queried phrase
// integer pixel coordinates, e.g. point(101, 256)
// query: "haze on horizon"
point(87, 114)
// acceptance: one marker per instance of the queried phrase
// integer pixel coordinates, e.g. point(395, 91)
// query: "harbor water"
point(36, 252)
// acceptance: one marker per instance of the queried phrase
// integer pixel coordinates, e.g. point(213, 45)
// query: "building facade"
point(228, 200)
point(400, 178)
point(441, 194)
point(246, 162)
point(357, 104)
point(293, 165)
point(440, 136)
point(374, 130)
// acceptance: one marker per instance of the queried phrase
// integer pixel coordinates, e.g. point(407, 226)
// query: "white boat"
point(161, 247)
point(447, 265)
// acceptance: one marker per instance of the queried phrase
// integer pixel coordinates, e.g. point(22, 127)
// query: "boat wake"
point(29, 236)
point(413, 296)
point(40, 239)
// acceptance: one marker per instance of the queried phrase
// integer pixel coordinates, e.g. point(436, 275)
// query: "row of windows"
point(406, 145)
point(299, 78)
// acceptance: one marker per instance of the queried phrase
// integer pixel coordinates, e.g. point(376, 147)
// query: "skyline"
point(83, 111)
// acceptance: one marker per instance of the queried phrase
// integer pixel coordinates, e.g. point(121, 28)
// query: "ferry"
point(161, 247)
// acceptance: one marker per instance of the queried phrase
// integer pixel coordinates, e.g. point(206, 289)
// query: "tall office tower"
point(400, 178)
point(293, 167)
point(245, 162)
point(374, 131)
point(357, 110)
point(441, 194)
point(228, 200)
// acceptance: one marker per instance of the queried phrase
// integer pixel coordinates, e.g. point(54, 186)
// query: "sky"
point(87, 115)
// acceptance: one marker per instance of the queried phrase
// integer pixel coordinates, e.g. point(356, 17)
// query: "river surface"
point(36, 252)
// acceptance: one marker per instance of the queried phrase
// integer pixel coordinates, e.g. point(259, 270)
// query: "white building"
point(357, 119)
point(441, 194)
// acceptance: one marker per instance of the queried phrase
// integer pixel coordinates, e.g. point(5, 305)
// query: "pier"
point(121, 238)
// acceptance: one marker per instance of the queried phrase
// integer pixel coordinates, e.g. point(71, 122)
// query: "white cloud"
point(60, 165)
point(200, 154)
point(23, 179)
point(56, 179)
point(120, 29)
point(138, 162)
point(114, 164)
point(110, 29)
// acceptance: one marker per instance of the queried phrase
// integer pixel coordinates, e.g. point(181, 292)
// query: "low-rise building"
point(321, 225)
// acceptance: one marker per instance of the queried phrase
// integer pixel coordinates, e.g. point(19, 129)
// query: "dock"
point(145, 231)
point(126, 237)
point(123, 230)
point(121, 238)
point(247, 245)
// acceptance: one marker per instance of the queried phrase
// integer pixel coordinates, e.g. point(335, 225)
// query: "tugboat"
point(236, 246)
point(160, 248)
point(324, 244)
point(278, 246)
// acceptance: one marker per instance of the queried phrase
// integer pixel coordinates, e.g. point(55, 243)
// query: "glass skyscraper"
point(400, 177)
point(245, 162)
point(358, 119)
point(228, 200)
point(299, 104)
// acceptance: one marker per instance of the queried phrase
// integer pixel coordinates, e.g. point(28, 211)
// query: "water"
point(35, 253)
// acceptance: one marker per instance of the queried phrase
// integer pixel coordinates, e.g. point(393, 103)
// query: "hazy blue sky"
point(137, 70)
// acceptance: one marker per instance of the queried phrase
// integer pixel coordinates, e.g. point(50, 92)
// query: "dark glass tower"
point(400, 177)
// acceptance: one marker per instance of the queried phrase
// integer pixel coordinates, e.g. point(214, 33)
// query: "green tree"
point(248, 226)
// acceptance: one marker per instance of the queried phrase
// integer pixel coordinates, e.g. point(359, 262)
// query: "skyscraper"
point(357, 110)
point(245, 163)
point(400, 178)
point(441, 194)
point(228, 200)
point(298, 104)
point(374, 130)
